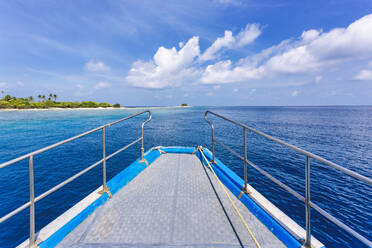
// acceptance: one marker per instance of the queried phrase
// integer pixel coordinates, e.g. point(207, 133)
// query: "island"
point(11, 102)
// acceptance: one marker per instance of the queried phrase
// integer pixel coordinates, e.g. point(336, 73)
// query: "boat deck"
point(176, 202)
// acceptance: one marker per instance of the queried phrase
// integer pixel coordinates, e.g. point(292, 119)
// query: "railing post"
point(213, 152)
point(143, 160)
point(105, 189)
point(142, 144)
point(104, 156)
point(245, 189)
point(213, 161)
point(245, 157)
point(32, 201)
point(307, 204)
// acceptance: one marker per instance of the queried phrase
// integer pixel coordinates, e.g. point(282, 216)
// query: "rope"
point(144, 161)
point(232, 203)
point(159, 149)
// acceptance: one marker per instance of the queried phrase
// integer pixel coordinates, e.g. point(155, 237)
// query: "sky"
point(217, 52)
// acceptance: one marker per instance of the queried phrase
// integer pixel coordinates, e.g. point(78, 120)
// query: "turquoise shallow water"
point(340, 134)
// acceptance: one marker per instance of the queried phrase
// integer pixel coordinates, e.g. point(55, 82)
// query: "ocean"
point(342, 134)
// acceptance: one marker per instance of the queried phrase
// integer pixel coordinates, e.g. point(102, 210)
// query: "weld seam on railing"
point(300, 197)
point(316, 157)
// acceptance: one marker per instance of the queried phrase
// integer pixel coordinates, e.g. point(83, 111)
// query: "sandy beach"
point(99, 108)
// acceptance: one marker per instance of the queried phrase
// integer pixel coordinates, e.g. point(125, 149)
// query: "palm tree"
point(39, 96)
point(7, 97)
point(55, 97)
point(30, 98)
point(43, 97)
point(50, 96)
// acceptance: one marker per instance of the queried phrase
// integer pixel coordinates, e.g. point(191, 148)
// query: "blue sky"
point(218, 52)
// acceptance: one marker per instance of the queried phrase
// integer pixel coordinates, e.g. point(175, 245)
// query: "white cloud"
point(228, 2)
point(313, 52)
point(81, 90)
point(101, 86)
point(209, 94)
point(248, 35)
point(168, 68)
point(309, 55)
point(53, 44)
point(244, 37)
point(364, 75)
point(216, 87)
point(235, 90)
point(344, 43)
point(295, 93)
point(223, 72)
point(310, 35)
point(226, 41)
point(98, 66)
point(296, 60)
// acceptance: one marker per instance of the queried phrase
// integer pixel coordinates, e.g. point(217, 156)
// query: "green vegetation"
point(10, 102)
point(184, 105)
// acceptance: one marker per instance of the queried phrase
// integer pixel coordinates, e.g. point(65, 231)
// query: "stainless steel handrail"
point(31, 155)
point(306, 199)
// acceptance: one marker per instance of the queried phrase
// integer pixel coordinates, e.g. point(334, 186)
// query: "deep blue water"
point(341, 134)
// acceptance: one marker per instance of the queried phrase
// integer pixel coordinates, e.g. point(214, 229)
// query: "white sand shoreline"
point(99, 108)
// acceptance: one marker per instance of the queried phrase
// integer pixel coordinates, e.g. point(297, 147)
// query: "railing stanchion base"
point(246, 190)
point(105, 190)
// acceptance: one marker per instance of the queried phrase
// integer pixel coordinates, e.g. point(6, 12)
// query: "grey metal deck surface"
point(176, 202)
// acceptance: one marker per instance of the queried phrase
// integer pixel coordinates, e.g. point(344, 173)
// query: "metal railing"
point(306, 199)
point(31, 155)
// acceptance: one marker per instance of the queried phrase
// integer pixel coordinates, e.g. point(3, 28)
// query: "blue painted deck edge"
point(234, 183)
point(115, 184)
point(227, 176)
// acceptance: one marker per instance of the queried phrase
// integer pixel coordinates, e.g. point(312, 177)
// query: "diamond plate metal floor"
point(176, 202)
